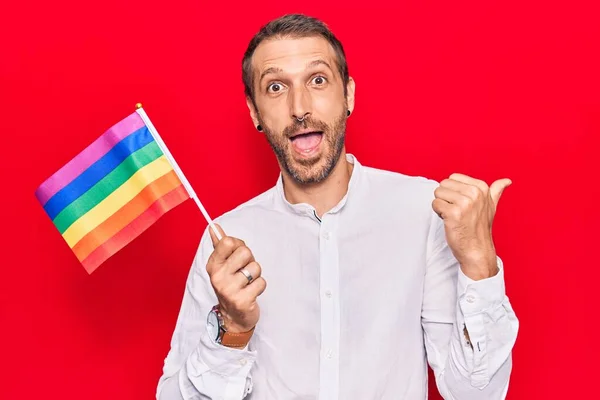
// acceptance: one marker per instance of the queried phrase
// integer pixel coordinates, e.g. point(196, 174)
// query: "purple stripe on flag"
point(88, 156)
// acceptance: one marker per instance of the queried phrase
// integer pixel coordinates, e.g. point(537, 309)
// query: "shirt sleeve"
point(196, 367)
point(464, 369)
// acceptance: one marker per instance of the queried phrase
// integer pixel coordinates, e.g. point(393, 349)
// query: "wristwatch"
point(218, 332)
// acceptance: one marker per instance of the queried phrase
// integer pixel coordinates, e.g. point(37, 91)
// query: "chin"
point(309, 171)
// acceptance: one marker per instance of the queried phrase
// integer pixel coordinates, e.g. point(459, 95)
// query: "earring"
point(259, 128)
point(348, 112)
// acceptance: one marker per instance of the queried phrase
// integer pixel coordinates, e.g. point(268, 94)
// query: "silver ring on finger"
point(247, 274)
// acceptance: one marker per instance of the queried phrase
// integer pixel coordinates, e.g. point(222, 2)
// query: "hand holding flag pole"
point(178, 171)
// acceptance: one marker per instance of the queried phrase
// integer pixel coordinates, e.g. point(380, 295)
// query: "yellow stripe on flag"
point(117, 199)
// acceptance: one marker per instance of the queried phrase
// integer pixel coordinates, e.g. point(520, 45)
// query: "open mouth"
point(306, 142)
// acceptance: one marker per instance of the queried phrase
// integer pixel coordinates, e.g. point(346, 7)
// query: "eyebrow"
point(272, 70)
point(276, 70)
point(317, 63)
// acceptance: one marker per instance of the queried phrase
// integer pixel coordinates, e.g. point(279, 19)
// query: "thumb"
point(213, 236)
point(497, 189)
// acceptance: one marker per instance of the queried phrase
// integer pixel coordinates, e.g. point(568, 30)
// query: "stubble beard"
point(316, 169)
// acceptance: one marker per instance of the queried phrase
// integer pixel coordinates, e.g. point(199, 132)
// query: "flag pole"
point(178, 171)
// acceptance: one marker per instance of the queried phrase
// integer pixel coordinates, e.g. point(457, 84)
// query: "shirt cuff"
point(477, 296)
point(225, 361)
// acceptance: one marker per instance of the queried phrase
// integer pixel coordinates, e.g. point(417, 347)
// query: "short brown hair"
point(292, 26)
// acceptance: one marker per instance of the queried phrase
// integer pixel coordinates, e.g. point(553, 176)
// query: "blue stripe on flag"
point(97, 171)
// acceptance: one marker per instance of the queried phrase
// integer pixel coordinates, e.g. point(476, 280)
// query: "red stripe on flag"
point(159, 208)
point(125, 215)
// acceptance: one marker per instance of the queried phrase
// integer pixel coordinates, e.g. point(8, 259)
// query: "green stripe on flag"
point(107, 185)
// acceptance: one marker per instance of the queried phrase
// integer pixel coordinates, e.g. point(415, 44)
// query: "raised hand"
point(468, 207)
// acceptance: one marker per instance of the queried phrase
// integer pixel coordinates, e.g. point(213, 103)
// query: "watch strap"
point(236, 340)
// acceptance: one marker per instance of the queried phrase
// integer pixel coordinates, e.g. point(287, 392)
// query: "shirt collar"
point(307, 209)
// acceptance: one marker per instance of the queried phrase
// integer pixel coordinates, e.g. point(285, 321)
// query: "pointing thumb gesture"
point(497, 188)
point(468, 206)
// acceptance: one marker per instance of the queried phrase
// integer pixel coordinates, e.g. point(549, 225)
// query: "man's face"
point(298, 78)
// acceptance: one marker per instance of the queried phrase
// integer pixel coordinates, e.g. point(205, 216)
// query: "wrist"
point(477, 268)
point(226, 333)
point(235, 328)
point(230, 325)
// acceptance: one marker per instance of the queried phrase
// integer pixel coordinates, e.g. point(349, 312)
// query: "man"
point(372, 275)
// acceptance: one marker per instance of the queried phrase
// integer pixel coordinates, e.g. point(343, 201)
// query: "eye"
point(275, 87)
point(319, 80)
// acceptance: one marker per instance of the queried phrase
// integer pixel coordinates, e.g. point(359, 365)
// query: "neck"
point(325, 195)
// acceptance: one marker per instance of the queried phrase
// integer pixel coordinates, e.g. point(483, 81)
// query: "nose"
point(301, 104)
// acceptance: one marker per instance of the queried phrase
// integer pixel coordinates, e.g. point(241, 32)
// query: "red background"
point(490, 89)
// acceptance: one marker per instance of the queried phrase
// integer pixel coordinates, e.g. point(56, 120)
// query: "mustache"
point(308, 123)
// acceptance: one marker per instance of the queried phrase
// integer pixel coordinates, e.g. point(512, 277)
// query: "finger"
point(497, 189)
point(225, 248)
point(253, 268)
point(470, 181)
point(469, 190)
point(256, 288)
point(241, 257)
point(450, 196)
point(213, 237)
point(441, 207)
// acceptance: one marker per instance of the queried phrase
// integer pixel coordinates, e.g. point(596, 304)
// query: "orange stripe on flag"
point(130, 211)
point(135, 228)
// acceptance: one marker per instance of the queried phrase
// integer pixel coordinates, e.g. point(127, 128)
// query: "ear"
point(350, 90)
point(252, 109)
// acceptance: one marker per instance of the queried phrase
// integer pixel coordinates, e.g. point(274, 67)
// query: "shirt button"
point(243, 361)
point(327, 235)
point(329, 354)
point(470, 298)
point(328, 293)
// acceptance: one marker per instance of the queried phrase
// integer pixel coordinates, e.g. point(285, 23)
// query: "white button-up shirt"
point(357, 304)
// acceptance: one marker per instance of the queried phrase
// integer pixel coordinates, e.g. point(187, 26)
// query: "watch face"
point(213, 325)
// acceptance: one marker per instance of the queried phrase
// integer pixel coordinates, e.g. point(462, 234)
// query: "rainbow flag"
point(113, 190)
